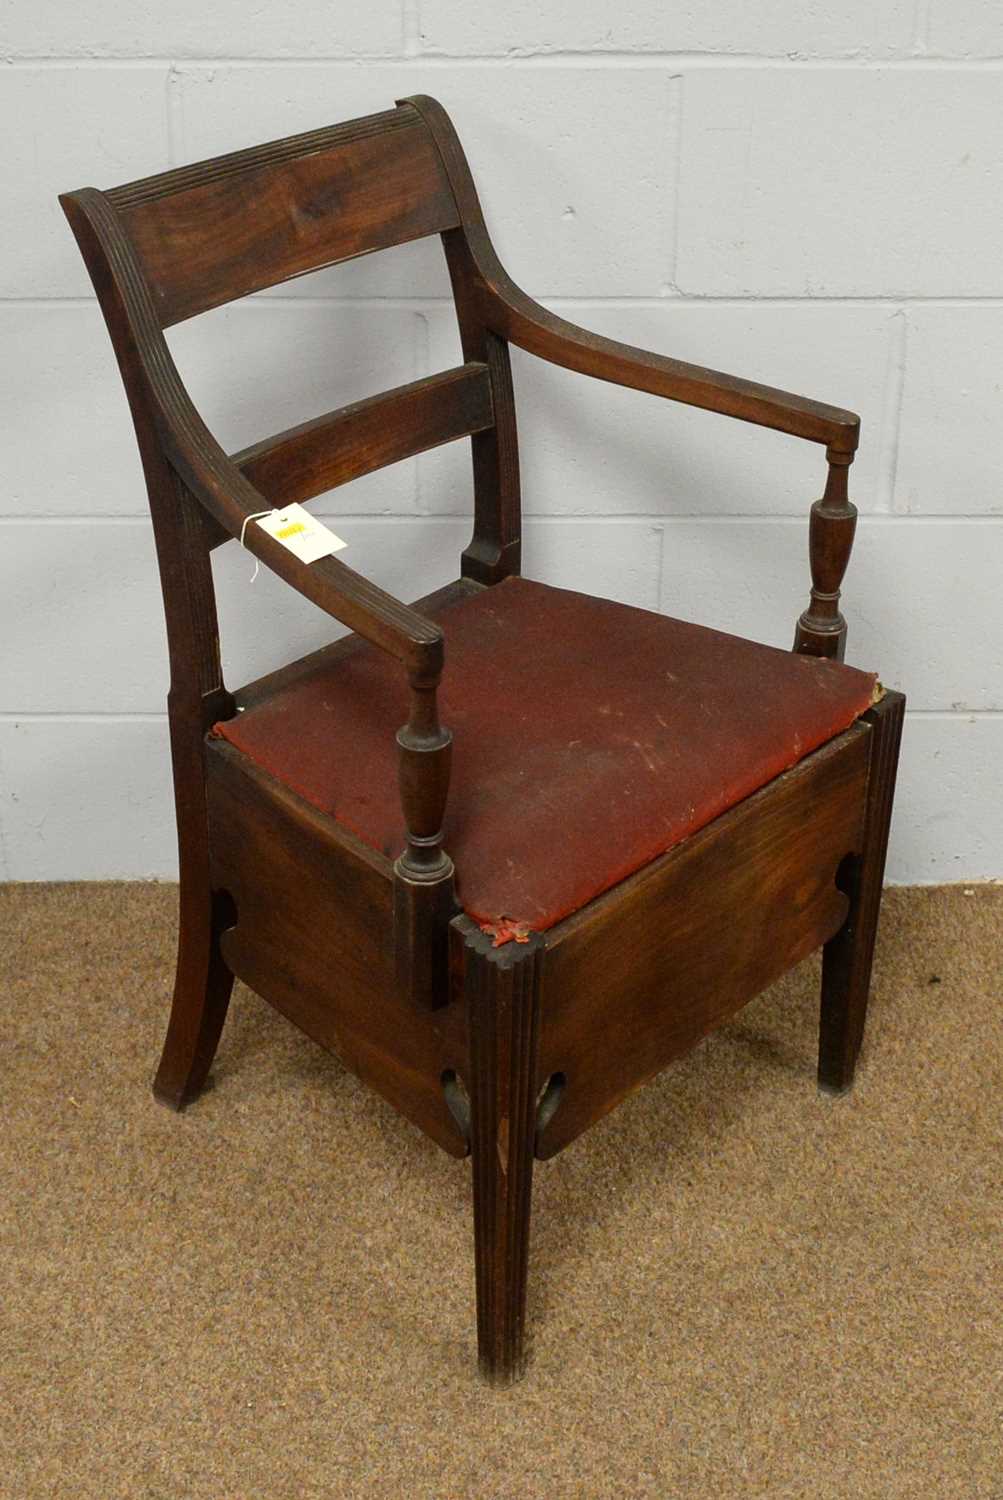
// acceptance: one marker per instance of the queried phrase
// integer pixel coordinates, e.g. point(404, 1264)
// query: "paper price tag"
point(301, 533)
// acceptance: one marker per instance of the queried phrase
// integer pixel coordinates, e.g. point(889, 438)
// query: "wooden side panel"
point(638, 977)
point(218, 230)
point(313, 936)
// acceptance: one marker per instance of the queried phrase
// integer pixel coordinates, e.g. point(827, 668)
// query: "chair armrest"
point(334, 587)
point(506, 310)
point(511, 313)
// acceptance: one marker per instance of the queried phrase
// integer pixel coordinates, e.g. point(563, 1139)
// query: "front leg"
point(502, 997)
point(847, 957)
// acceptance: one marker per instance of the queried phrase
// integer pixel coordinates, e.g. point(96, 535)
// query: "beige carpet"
point(738, 1287)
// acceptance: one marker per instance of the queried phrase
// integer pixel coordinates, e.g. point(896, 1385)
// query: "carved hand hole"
point(457, 1101)
point(548, 1099)
point(848, 874)
point(224, 910)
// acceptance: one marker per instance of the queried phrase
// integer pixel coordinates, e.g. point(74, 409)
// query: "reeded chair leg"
point(848, 956)
point(202, 989)
point(502, 991)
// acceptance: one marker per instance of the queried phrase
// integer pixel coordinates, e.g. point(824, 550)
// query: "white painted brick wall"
point(840, 182)
point(805, 193)
point(826, 28)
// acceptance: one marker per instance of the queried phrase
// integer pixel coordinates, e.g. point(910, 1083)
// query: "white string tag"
point(253, 517)
point(298, 531)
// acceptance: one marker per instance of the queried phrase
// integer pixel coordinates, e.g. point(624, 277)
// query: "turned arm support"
point(426, 749)
point(424, 901)
point(821, 630)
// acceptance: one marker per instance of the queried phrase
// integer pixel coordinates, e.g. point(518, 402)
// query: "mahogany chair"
point(642, 822)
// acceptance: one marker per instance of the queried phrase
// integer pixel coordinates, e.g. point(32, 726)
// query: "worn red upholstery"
point(589, 737)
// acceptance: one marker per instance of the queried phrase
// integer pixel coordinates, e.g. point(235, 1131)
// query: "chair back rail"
point(331, 450)
point(167, 247)
point(218, 230)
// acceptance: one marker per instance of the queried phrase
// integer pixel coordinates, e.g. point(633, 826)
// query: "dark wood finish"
point(423, 873)
point(218, 230)
point(848, 956)
point(423, 909)
point(317, 456)
point(313, 934)
point(503, 1006)
point(503, 1051)
point(640, 975)
point(821, 630)
point(202, 988)
point(172, 436)
point(495, 549)
point(425, 755)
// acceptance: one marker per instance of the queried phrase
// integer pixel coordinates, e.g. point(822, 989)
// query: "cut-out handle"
point(549, 1099)
point(457, 1101)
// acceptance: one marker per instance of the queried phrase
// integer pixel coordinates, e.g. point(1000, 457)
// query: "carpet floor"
point(738, 1287)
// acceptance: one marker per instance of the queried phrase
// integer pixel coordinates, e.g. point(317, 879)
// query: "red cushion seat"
point(589, 737)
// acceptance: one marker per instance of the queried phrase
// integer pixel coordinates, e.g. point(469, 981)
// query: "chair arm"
point(425, 745)
point(821, 629)
point(511, 313)
point(506, 310)
point(334, 587)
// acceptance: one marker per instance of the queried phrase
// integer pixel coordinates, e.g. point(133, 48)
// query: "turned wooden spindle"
point(821, 630)
point(425, 755)
point(424, 901)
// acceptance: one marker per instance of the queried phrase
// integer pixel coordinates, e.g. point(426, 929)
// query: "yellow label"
point(292, 530)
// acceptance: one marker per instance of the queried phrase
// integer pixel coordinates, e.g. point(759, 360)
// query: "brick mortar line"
point(920, 27)
point(411, 28)
point(893, 396)
point(675, 149)
point(585, 60)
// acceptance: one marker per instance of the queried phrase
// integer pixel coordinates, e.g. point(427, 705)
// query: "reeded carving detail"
point(502, 992)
